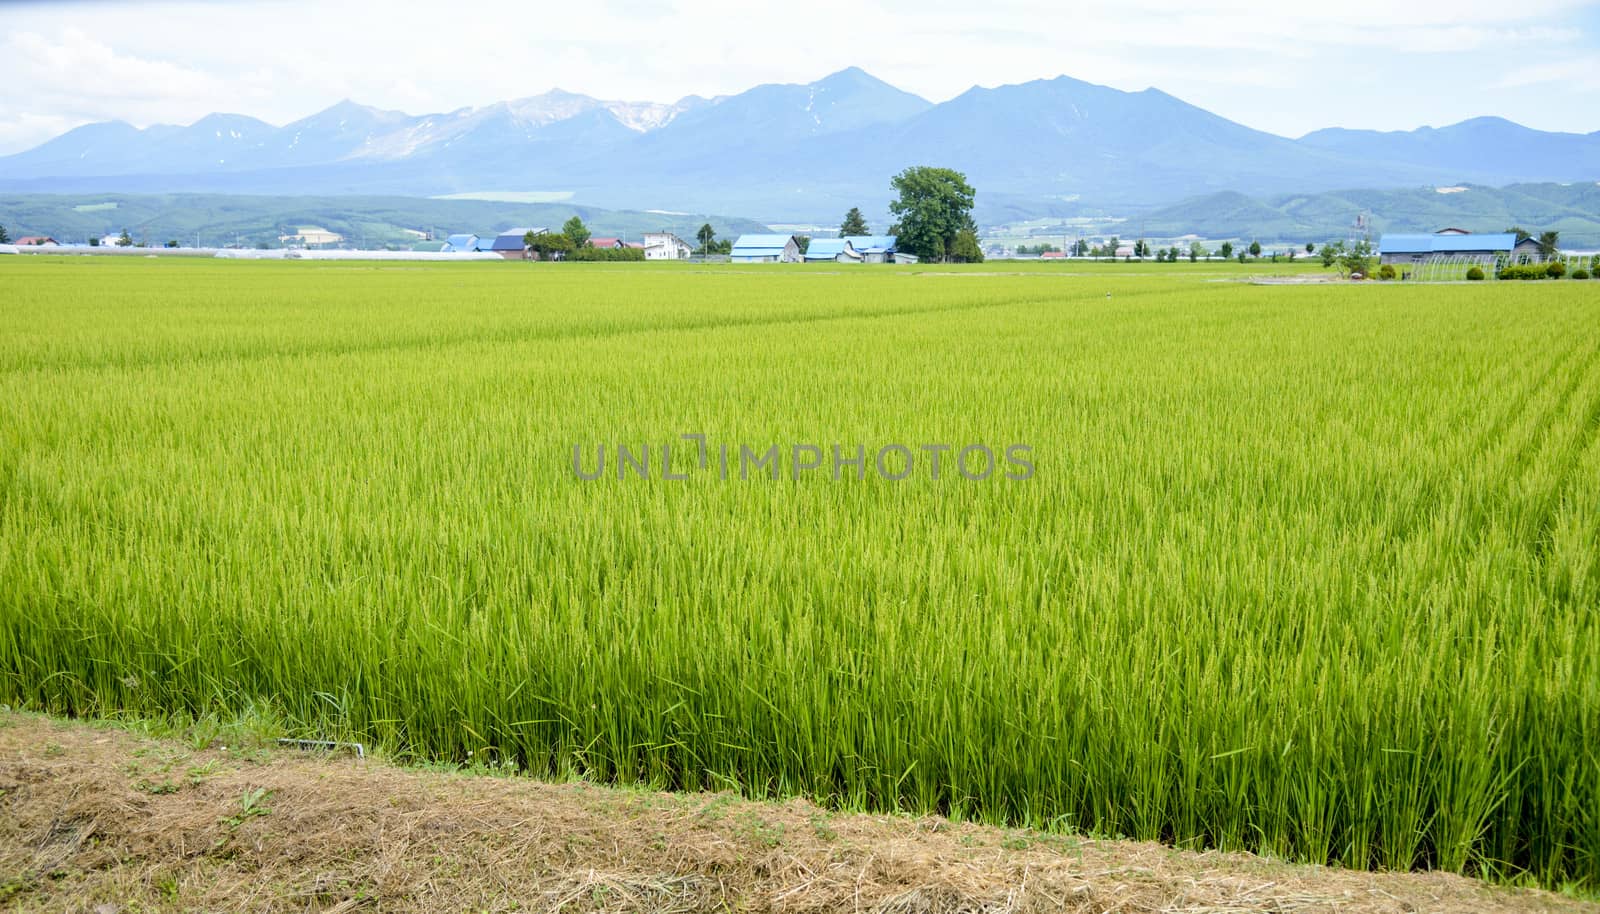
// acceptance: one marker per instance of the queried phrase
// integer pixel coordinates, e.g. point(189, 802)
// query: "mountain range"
point(794, 153)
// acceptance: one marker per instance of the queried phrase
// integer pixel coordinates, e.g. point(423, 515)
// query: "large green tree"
point(932, 207)
point(854, 224)
point(707, 236)
point(576, 232)
point(549, 245)
point(4, 236)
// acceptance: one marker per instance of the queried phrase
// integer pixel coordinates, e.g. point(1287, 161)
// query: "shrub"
point(1386, 271)
point(1475, 274)
point(1524, 271)
point(1580, 274)
point(1556, 269)
point(607, 255)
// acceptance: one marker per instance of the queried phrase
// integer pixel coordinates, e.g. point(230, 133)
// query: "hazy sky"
point(1287, 67)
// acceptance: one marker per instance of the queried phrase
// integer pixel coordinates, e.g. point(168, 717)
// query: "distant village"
point(523, 244)
point(1448, 253)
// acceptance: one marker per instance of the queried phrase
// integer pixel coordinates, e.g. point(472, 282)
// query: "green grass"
point(1306, 570)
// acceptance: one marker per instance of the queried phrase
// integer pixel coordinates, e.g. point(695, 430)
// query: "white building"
point(665, 246)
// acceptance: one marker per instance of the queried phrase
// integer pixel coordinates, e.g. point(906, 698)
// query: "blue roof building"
point(879, 249)
point(509, 243)
point(460, 244)
point(766, 249)
point(836, 250)
point(1456, 245)
point(1500, 243)
point(876, 244)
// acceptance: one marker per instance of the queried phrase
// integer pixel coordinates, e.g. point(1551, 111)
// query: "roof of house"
point(462, 241)
point(1445, 244)
point(873, 244)
point(35, 239)
point(605, 242)
point(1053, 255)
point(758, 245)
point(830, 248)
point(509, 240)
point(1452, 231)
point(762, 240)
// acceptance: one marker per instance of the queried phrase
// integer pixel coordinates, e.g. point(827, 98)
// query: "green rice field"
point(1311, 570)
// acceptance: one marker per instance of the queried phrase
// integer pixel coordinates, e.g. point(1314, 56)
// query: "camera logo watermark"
point(892, 462)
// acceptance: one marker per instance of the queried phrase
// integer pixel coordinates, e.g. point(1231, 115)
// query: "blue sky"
point(1288, 68)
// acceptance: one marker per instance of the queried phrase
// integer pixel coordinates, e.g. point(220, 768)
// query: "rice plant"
point(1304, 570)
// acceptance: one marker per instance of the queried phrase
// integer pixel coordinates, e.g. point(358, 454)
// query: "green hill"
point(372, 222)
point(1572, 209)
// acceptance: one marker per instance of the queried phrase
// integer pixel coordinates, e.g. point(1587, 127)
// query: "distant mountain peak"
point(783, 150)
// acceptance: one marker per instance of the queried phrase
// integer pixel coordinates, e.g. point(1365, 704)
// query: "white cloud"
point(1581, 73)
point(69, 78)
point(74, 67)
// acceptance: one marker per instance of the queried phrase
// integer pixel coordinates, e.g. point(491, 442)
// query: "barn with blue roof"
point(766, 249)
point(511, 243)
point(831, 250)
point(879, 249)
point(1454, 244)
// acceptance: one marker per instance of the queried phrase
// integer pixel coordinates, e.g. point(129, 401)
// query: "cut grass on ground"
point(96, 817)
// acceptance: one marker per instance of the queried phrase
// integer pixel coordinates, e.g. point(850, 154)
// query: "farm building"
point(310, 235)
point(878, 249)
point(836, 250)
point(36, 241)
point(665, 246)
point(509, 244)
point(460, 244)
point(1461, 248)
point(606, 243)
point(766, 249)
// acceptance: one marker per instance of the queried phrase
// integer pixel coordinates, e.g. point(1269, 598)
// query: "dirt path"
point(95, 819)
